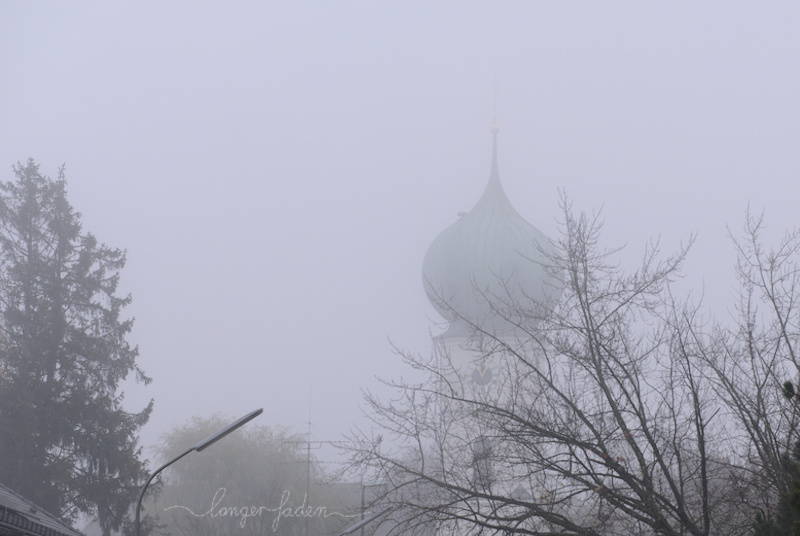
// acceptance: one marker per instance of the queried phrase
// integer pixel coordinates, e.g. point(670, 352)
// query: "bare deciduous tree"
point(624, 410)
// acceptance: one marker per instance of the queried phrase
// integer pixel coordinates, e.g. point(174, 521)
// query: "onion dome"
point(491, 267)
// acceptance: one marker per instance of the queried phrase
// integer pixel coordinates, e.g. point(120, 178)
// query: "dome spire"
point(495, 128)
point(495, 174)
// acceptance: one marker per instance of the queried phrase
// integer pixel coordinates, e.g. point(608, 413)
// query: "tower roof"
point(490, 266)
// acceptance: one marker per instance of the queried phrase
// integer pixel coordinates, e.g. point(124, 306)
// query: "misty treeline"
point(259, 481)
point(628, 409)
point(67, 443)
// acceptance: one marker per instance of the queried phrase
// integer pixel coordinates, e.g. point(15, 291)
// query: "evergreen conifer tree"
point(66, 441)
point(786, 519)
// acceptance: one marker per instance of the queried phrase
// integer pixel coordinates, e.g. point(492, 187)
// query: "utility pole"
point(309, 444)
point(308, 471)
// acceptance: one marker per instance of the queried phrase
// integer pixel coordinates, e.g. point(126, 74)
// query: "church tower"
point(490, 276)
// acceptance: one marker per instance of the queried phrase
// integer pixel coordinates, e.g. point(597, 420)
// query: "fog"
point(277, 170)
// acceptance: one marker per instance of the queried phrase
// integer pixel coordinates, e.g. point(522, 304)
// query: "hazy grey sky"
point(277, 170)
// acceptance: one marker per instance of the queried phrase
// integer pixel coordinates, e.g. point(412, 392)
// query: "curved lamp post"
point(207, 442)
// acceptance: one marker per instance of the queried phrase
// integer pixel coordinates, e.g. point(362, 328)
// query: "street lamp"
point(207, 442)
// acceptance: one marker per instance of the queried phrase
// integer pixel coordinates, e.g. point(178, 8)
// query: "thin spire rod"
point(495, 127)
point(495, 174)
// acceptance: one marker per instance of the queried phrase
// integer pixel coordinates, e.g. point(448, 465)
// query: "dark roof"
point(20, 517)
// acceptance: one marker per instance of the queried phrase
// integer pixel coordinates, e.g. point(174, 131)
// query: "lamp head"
point(216, 436)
